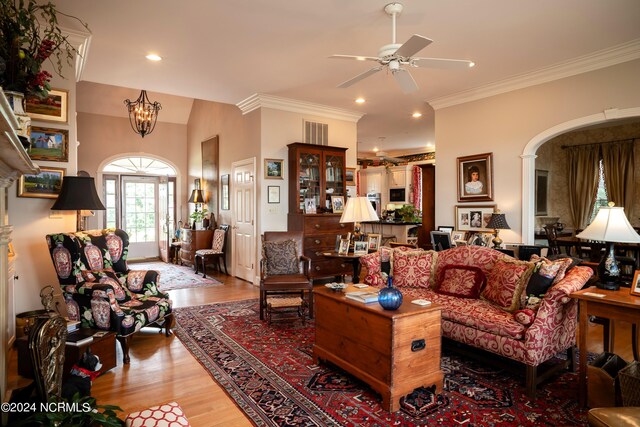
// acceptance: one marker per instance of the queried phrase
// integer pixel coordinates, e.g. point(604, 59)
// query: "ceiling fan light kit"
point(394, 56)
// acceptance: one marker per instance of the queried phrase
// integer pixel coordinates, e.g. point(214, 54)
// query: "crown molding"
point(80, 40)
point(601, 59)
point(260, 100)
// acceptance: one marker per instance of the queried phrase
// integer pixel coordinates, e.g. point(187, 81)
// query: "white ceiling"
point(227, 51)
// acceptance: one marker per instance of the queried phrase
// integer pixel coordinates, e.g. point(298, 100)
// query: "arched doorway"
point(529, 155)
point(139, 192)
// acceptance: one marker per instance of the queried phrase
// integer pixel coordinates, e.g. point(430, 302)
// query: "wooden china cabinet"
point(317, 172)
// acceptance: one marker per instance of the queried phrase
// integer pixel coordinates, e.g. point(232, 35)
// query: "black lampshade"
point(498, 222)
point(196, 197)
point(78, 193)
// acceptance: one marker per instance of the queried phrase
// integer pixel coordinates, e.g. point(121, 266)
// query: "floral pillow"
point(281, 256)
point(506, 283)
point(462, 281)
point(106, 277)
point(373, 262)
point(413, 268)
point(546, 273)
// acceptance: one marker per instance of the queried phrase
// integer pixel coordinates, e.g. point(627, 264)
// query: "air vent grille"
point(316, 133)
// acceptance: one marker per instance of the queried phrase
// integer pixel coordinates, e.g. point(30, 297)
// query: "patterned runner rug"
point(174, 276)
point(269, 372)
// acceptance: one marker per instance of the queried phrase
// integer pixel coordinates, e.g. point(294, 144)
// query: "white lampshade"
point(358, 209)
point(610, 225)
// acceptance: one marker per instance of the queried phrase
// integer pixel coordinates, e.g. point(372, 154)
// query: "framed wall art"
point(53, 108)
point(473, 218)
point(273, 168)
point(45, 185)
point(351, 176)
point(49, 144)
point(273, 194)
point(224, 192)
point(542, 183)
point(475, 178)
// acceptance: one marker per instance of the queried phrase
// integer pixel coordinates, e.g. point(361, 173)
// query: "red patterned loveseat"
point(484, 300)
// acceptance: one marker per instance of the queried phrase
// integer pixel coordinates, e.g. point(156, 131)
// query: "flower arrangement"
point(29, 36)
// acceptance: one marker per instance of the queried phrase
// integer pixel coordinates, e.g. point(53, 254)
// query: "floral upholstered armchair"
point(99, 289)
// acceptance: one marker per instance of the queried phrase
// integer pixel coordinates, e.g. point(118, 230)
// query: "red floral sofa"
point(484, 302)
point(99, 288)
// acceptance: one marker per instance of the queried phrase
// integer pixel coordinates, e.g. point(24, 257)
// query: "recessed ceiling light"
point(153, 57)
point(360, 101)
point(417, 114)
point(472, 64)
point(375, 150)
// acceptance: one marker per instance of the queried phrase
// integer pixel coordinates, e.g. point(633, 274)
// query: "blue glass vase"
point(390, 298)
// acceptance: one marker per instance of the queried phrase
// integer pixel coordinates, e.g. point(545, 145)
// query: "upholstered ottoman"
point(167, 415)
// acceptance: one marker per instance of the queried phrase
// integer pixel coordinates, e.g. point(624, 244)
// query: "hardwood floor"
point(162, 369)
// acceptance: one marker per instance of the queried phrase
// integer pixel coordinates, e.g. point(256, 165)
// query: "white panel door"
point(243, 224)
point(140, 215)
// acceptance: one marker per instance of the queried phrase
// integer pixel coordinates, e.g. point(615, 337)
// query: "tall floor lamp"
point(78, 193)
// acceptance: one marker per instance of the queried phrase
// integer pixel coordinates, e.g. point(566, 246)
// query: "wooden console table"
point(394, 352)
point(615, 305)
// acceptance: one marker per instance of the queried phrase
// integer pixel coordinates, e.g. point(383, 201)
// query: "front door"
point(140, 217)
point(243, 223)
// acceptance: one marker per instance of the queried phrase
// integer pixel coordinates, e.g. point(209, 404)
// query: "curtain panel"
point(618, 168)
point(582, 179)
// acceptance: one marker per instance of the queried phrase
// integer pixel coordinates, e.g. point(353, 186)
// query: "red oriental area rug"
point(269, 372)
point(174, 276)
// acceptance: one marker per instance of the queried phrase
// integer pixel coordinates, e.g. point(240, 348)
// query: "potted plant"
point(30, 35)
point(198, 216)
point(409, 213)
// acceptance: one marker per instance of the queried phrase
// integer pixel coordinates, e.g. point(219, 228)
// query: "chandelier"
point(143, 114)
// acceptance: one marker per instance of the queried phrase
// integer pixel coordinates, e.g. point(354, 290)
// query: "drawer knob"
point(317, 226)
point(317, 242)
point(317, 268)
point(318, 253)
point(343, 265)
point(342, 225)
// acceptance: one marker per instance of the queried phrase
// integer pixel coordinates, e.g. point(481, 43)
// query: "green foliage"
point(29, 35)
point(409, 213)
point(199, 215)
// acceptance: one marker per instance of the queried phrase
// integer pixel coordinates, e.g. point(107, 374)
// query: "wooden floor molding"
point(162, 369)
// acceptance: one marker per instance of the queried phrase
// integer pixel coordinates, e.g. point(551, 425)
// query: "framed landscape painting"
point(273, 168)
point(49, 144)
point(46, 184)
point(473, 218)
point(53, 108)
point(475, 178)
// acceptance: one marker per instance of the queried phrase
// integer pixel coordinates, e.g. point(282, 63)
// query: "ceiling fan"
point(394, 56)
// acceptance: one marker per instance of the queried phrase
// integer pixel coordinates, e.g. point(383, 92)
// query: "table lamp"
point(610, 226)
point(197, 197)
point(498, 222)
point(357, 210)
point(78, 193)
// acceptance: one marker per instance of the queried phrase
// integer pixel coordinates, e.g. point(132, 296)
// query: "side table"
point(104, 347)
point(350, 258)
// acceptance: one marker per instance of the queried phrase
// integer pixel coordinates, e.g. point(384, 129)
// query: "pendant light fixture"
point(143, 114)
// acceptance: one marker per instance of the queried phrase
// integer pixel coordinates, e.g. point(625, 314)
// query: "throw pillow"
point(525, 316)
point(107, 277)
point(281, 256)
point(462, 281)
point(373, 264)
point(413, 269)
point(546, 273)
point(506, 282)
point(169, 414)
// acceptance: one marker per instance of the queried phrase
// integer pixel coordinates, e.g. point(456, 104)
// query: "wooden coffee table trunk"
point(394, 352)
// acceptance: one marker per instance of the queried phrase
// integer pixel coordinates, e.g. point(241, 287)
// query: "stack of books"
point(73, 325)
point(363, 296)
point(80, 337)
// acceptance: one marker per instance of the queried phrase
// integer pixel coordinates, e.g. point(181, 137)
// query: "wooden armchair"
point(280, 284)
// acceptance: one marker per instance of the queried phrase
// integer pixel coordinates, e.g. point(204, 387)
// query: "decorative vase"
point(16, 102)
point(390, 298)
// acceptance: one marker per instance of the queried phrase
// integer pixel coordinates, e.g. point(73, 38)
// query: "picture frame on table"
point(45, 185)
point(53, 108)
point(473, 218)
point(374, 241)
point(475, 178)
point(635, 285)
point(448, 228)
point(458, 236)
point(351, 177)
point(273, 194)
point(310, 206)
point(49, 144)
point(338, 240)
point(273, 168)
point(337, 204)
point(360, 247)
point(224, 192)
point(344, 247)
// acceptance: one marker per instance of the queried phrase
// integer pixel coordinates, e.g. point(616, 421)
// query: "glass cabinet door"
point(334, 179)
point(309, 181)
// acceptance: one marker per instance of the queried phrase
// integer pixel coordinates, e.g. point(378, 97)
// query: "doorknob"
point(235, 227)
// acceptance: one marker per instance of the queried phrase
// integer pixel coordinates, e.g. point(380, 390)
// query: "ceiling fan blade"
point(359, 77)
point(405, 80)
point(412, 46)
point(357, 58)
point(447, 64)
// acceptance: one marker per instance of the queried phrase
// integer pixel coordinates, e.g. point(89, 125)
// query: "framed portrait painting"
point(53, 108)
point(473, 218)
point(45, 185)
point(49, 144)
point(475, 178)
point(274, 169)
